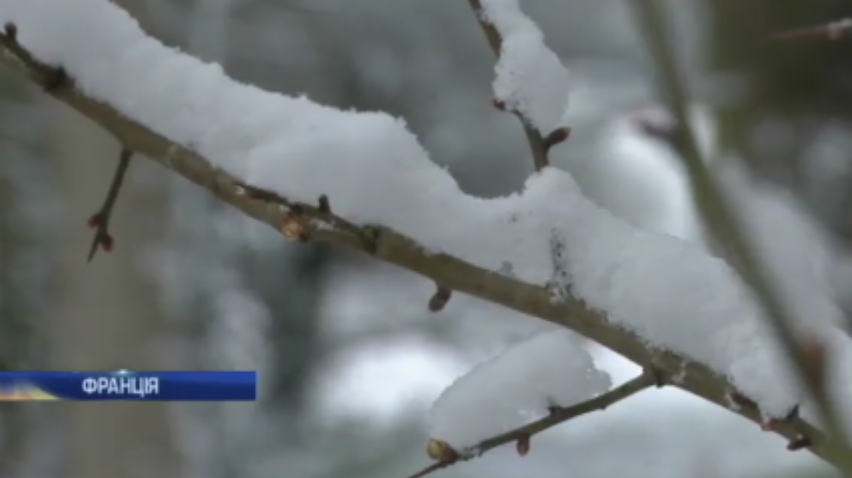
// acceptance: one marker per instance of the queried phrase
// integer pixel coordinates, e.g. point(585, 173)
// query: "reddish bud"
point(107, 243)
point(94, 221)
point(439, 299)
point(557, 136)
point(523, 445)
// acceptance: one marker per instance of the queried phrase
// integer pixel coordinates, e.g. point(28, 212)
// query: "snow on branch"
point(530, 79)
point(362, 180)
point(520, 385)
point(445, 455)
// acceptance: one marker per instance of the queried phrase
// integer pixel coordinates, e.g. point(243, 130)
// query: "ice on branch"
point(671, 293)
point(515, 388)
point(530, 77)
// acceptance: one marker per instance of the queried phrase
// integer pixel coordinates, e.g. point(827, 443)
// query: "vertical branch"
point(720, 217)
point(537, 142)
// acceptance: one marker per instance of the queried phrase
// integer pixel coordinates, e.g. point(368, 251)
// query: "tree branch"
point(386, 245)
point(562, 414)
point(538, 145)
point(446, 456)
point(727, 227)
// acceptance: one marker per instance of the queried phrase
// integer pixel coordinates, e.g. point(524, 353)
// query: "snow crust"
point(670, 292)
point(516, 388)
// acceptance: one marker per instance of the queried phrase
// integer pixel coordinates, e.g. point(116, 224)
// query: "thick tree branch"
point(311, 222)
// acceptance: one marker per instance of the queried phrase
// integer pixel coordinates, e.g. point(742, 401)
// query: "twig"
point(537, 142)
point(559, 415)
point(832, 31)
point(446, 456)
point(720, 216)
point(100, 220)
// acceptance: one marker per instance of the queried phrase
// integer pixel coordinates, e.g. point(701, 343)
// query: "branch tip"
point(557, 136)
point(99, 221)
point(430, 469)
point(441, 451)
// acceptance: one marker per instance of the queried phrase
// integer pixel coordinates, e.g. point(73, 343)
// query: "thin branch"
point(389, 246)
point(723, 222)
point(563, 414)
point(832, 31)
point(522, 435)
point(538, 145)
point(100, 220)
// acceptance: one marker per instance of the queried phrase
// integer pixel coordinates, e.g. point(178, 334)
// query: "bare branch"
point(832, 31)
point(100, 220)
point(725, 225)
point(394, 248)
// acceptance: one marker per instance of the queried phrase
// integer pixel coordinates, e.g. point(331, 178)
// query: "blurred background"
point(349, 355)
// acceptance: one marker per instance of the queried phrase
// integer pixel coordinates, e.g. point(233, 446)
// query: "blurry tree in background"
point(791, 122)
point(208, 289)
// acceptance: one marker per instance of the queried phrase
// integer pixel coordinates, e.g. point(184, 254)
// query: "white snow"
point(374, 170)
point(516, 388)
point(529, 77)
point(384, 380)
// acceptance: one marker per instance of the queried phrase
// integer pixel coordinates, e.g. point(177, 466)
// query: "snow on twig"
point(521, 384)
point(445, 455)
point(530, 79)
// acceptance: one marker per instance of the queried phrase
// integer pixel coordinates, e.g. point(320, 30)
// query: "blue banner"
point(128, 385)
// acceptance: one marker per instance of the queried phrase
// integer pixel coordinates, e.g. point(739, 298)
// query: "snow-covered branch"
point(530, 80)
point(362, 180)
point(445, 455)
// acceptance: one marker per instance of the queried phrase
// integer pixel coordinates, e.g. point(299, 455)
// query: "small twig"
point(446, 456)
point(724, 223)
point(431, 468)
point(832, 31)
point(100, 220)
point(562, 414)
point(537, 142)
